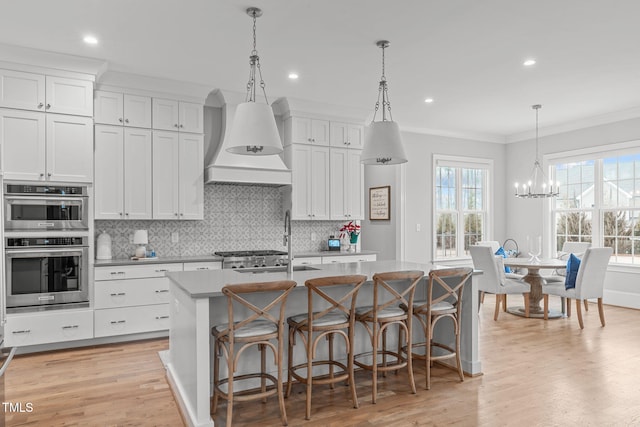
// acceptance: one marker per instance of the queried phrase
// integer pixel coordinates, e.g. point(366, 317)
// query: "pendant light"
point(536, 186)
point(382, 142)
point(254, 130)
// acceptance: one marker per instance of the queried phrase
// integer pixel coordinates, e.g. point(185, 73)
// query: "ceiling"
point(466, 54)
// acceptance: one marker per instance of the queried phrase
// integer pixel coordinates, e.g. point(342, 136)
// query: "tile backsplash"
point(236, 217)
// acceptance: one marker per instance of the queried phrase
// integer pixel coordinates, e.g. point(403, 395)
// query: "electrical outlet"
point(417, 227)
point(174, 237)
point(314, 237)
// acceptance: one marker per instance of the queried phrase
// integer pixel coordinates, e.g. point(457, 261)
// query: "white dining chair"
point(568, 248)
point(589, 283)
point(493, 279)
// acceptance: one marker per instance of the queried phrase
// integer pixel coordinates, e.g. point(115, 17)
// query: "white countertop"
point(159, 260)
point(209, 283)
point(331, 253)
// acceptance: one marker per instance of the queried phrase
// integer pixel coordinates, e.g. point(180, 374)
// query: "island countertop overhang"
point(209, 283)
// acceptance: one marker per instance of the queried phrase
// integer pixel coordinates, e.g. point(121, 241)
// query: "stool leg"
point(384, 351)
point(352, 380)
point(427, 351)
point(263, 369)
point(307, 415)
point(292, 337)
point(231, 372)
point(374, 363)
point(458, 361)
point(216, 376)
point(412, 381)
point(330, 339)
point(283, 412)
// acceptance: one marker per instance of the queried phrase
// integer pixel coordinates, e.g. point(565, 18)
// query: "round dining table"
point(536, 281)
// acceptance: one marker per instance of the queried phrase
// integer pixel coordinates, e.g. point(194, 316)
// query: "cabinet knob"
point(126, 214)
point(120, 119)
point(121, 213)
point(40, 105)
point(175, 125)
point(181, 214)
point(49, 174)
point(48, 106)
point(41, 175)
point(181, 126)
point(126, 120)
point(176, 214)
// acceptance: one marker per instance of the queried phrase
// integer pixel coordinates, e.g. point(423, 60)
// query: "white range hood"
point(227, 167)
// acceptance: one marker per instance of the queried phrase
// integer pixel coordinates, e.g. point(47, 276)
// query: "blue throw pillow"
point(573, 264)
point(501, 251)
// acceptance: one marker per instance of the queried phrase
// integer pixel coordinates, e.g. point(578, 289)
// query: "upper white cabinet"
point(347, 135)
point(180, 116)
point(122, 173)
point(51, 94)
point(347, 184)
point(302, 130)
point(310, 181)
point(43, 147)
point(113, 108)
point(178, 181)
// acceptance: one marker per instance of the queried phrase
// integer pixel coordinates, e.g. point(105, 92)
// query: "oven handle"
point(46, 250)
point(46, 198)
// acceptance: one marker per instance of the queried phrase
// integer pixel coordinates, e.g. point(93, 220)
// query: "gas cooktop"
point(253, 259)
point(249, 253)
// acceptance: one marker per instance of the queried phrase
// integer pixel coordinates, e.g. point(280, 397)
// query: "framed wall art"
point(380, 203)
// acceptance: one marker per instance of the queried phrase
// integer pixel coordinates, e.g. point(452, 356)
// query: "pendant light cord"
point(254, 63)
point(383, 89)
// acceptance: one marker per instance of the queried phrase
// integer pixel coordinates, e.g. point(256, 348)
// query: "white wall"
point(527, 217)
point(420, 149)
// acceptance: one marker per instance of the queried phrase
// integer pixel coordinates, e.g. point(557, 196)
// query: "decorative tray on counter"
point(148, 258)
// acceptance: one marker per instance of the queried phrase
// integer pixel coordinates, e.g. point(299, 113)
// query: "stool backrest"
point(382, 285)
point(345, 302)
point(236, 293)
point(450, 292)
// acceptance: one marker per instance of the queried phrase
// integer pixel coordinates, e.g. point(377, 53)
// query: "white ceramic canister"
point(103, 246)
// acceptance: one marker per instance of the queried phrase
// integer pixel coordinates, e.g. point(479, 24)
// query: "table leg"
point(536, 281)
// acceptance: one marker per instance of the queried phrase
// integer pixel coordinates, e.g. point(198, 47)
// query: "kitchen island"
point(197, 304)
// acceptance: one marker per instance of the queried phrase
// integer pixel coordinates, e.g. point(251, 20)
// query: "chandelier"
point(382, 142)
point(254, 130)
point(536, 187)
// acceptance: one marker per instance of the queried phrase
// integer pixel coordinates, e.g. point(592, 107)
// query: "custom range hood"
point(228, 167)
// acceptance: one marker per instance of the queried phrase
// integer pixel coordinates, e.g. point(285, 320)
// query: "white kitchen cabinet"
point(347, 135)
point(51, 94)
point(347, 185)
point(46, 147)
point(348, 258)
point(123, 173)
point(310, 181)
point(306, 260)
point(303, 130)
point(132, 298)
point(202, 265)
point(123, 109)
point(178, 181)
point(48, 327)
point(180, 116)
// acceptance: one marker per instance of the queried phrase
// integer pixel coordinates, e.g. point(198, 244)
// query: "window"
point(460, 204)
point(599, 202)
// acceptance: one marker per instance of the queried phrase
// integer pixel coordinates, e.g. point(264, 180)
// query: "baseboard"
point(621, 299)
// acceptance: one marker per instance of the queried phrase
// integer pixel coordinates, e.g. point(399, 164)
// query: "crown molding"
point(473, 136)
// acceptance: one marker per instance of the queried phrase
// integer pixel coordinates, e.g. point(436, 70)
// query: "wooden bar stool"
point(445, 303)
point(385, 312)
point(234, 337)
point(340, 293)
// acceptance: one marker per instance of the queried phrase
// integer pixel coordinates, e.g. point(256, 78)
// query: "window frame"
point(461, 162)
point(597, 155)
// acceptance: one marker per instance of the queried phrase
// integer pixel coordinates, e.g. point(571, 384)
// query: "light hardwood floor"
point(536, 373)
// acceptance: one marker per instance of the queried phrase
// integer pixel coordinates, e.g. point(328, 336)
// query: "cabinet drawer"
point(348, 258)
point(135, 271)
point(131, 320)
point(209, 265)
point(48, 327)
point(307, 260)
point(131, 292)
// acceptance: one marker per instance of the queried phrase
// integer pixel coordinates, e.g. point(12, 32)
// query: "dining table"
point(536, 281)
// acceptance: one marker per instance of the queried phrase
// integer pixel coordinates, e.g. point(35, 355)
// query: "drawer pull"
point(119, 294)
point(164, 270)
point(71, 327)
point(117, 322)
point(113, 273)
point(161, 317)
point(24, 331)
point(202, 268)
point(161, 291)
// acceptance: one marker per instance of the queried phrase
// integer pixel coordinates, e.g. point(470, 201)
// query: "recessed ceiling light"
point(529, 62)
point(90, 40)
point(293, 76)
point(428, 100)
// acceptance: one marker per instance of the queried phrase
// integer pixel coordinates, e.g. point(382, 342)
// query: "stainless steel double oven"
point(46, 245)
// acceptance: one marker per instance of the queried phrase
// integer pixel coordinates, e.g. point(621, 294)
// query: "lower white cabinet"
point(131, 320)
point(48, 327)
point(348, 258)
point(207, 265)
point(307, 260)
point(132, 299)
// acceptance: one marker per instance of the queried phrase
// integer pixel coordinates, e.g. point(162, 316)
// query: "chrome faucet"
point(287, 241)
